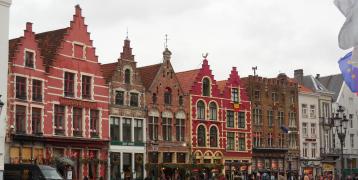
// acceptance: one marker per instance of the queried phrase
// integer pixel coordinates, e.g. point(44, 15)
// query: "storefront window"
point(115, 166)
point(180, 157)
point(138, 130)
point(139, 165)
point(127, 165)
point(167, 157)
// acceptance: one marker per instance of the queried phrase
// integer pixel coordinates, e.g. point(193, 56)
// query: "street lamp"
point(340, 122)
point(1, 105)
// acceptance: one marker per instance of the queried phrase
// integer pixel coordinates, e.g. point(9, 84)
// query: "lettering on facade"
point(78, 103)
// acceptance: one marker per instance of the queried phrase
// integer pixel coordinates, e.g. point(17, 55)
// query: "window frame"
point(235, 98)
point(241, 119)
point(26, 62)
point(86, 87)
point(138, 130)
point(230, 120)
point(59, 130)
point(213, 136)
point(36, 120)
point(119, 97)
point(167, 129)
point(134, 99)
point(94, 122)
point(77, 118)
point(200, 110)
point(180, 129)
point(20, 124)
point(37, 90)
point(201, 133)
point(69, 84)
point(21, 87)
point(213, 111)
point(206, 87)
point(230, 141)
point(153, 127)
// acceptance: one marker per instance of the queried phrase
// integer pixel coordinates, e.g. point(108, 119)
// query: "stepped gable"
point(127, 51)
point(148, 74)
point(187, 78)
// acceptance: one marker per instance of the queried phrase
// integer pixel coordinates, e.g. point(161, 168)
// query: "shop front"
point(328, 169)
point(126, 165)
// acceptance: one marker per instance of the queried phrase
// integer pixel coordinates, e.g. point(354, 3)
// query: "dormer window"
point(78, 51)
point(29, 59)
point(206, 87)
point(127, 76)
point(235, 95)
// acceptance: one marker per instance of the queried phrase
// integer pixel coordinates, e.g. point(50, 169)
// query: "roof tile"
point(148, 73)
point(187, 78)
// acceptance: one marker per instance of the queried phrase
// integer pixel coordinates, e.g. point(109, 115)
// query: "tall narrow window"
point(167, 128)
point(138, 130)
point(36, 120)
point(20, 119)
point(292, 119)
point(314, 150)
point(154, 98)
point(242, 142)
point(127, 130)
point(201, 136)
point(274, 97)
point(270, 118)
point(29, 59)
point(77, 121)
point(281, 118)
point(313, 130)
point(21, 87)
point(168, 96)
point(305, 150)
point(242, 119)
point(269, 139)
point(230, 141)
point(36, 90)
point(86, 87)
point(115, 130)
point(257, 95)
point(213, 137)
point(352, 140)
point(304, 110)
point(153, 127)
point(59, 120)
point(181, 100)
point(213, 111)
point(230, 119)
point(127, 76)
point(235, 95)
point(119, 98)
point(200, 112)
point(312, 111)
point(206, 87)
point(257, 115)
point(94, 121)
point(304, 130)
point(134, 99)
point(281, 140)
point(69, 84)
point(180, 129)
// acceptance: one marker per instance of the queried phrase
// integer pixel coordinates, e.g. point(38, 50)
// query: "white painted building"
point(344, 97)
point(309, 132)
point(4, 43)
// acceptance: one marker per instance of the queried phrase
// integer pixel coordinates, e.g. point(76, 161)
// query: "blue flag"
point(284, 129)
point(349, 71)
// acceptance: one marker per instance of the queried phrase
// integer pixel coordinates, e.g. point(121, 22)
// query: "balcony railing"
point(330, 151)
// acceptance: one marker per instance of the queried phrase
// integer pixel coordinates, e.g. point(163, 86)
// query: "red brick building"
point(58, 101)
point(220, 122)
point(167, 123)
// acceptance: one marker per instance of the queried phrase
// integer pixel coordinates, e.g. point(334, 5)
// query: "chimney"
point(298, 75)
point(317, 76)
point(29, 27)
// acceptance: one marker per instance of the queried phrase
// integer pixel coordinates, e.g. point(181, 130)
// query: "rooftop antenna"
point(254, 69)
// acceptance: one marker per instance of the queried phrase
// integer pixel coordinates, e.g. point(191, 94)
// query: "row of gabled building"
point(118, 120)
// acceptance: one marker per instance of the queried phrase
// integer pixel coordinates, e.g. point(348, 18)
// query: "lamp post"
point(1, 105)
point(340, 122)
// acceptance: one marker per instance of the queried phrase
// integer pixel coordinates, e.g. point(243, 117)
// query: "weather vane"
point(127, 33)
point(205, 55)
point(166, 41)
point(254, 69)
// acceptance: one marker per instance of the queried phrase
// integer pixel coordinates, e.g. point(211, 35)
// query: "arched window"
point(213, 111)
point(154, 98)
point(213, 137)
point(206, 87)
point(168, 96)
point(201, 136)
point(127, 76)
point(200, 110)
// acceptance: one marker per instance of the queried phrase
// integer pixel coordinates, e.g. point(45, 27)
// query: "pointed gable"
point(127, 51)
point(205, 71)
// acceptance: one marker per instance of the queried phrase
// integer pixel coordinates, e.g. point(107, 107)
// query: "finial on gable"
point(78, 10)
point(29, 26)
point(205, 55)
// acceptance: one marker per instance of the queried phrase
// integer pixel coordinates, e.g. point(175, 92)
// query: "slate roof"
point(187, 78)
point(333, 83)
point(312, 83)
point(108, 70)
point(148, 73)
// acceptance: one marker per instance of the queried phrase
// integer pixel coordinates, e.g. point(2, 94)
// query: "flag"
point(348, 35)
point(284, 129)
point(349, 71)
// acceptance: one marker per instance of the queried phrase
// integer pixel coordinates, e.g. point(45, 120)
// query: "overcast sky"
point(275, 35)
